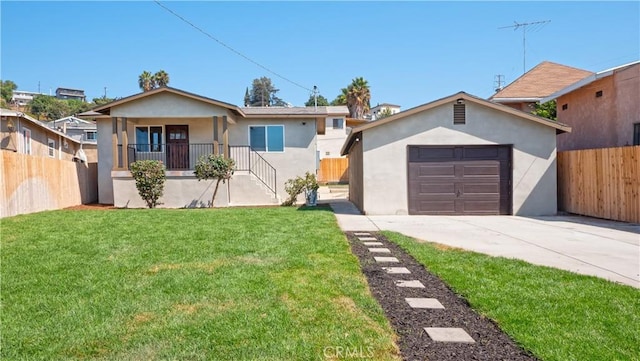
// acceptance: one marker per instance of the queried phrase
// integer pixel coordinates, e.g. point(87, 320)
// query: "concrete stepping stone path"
point(367, 238)
point(362, 234)
point(379, 250)
point(424, 303)
point(369, 244)
point(396, 270)
point(409, 283)
point(449, 334)
point(386, 259)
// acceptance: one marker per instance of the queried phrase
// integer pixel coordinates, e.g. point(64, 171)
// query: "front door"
point(177, 146)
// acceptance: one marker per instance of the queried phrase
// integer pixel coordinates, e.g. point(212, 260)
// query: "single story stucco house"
point(269, 146)
point(459, 155)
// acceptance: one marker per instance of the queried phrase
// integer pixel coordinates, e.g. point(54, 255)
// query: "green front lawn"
point(556, 314)
point(223, 284)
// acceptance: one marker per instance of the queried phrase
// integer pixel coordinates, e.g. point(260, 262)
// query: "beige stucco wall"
point(331, 142)
point(299, 154)
point(601, 122)
point(355, 174)
point(534, 155)
point(167, 105)
point(181, 190)
point(105, 163)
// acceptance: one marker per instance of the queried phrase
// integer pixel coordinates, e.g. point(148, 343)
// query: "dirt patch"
point(444, 247)
point(414, 343)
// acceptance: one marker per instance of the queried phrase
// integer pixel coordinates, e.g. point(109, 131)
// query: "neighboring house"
point(332, 132)
point(453, 156)
point(603, 109)
point(539, 82)
point(67, 93)
point(270, 145)
point(21, 98)
point(79, 129)
point(23, 134)
point(381, 108)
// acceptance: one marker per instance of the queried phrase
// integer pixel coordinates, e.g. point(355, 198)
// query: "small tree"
point(295, 186)
point(214, 166)
point(149, 176)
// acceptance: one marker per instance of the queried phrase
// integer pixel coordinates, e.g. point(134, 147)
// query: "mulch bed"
point(490, 342)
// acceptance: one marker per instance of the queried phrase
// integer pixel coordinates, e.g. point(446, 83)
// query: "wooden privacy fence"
point(31, 184)
point(334, 170)
point(601, 183)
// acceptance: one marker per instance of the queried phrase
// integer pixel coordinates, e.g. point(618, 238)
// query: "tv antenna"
point(518, 25)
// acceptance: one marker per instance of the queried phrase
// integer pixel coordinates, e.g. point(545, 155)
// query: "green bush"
point(214, 166)
point(294, 187)
point(149, 176)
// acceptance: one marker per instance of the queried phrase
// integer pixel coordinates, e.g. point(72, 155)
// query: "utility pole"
point(524, 31)
point(105, 92)
point(315, 97)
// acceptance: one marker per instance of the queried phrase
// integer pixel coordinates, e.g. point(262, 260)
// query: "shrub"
point(294, 187)
point(214, 166)
point(149, 176)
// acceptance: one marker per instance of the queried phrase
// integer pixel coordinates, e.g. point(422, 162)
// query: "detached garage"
point(460, 155)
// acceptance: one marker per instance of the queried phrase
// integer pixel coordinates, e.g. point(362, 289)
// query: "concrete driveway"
point(606, 249)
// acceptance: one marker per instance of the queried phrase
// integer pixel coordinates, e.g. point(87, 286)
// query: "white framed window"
point(91, 135)
point(26, 134)
point(338, 123)
point(266, 138)
point(51, 144)
point(149, 139)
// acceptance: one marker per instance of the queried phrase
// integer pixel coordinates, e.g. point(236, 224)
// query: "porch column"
point(225, 136)
point(216, 142)
point(114, 143)
point(125, 144)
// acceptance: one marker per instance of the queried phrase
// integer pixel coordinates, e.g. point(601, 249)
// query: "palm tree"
point(161, 78)
point(146, 81)
point(358, 96)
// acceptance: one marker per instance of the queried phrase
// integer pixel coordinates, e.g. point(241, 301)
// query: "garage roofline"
point(355, 132)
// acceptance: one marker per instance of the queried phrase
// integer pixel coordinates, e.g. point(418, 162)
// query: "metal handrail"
point(247, 159)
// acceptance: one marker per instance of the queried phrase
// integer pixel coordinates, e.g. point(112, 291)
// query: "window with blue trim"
point(266, 138)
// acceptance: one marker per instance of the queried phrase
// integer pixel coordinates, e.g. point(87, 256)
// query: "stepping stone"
point(373, 243)
point(379, 250)
point(409, 284)
point(424, 303)
point(396, 270)
point(386, 259)
point(367, 238)
point(362, 233)
point(446, 334)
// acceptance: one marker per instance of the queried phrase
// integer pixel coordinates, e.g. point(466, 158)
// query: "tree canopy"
point(356, 96)
point(263, 94)
point(322, 101)
point(148, 81)
point(546, 110)
point(6, 88)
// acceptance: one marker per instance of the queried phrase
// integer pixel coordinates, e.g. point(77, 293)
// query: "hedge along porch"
point(269, 145)
point(457, 155)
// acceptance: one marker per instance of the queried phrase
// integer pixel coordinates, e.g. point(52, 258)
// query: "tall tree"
point(6, 88)
point(161, 78)
point(247, 98)
point(341, 99)
point(322, 101)
point(146, 81)
point(263, 93)
point(358, 98)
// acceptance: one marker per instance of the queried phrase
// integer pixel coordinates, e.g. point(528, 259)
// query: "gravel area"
point(409, 323)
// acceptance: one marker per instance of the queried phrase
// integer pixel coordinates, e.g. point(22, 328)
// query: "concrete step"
point(246, 190)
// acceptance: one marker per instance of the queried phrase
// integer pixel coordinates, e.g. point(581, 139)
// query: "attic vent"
point(598, 93)
point(565, 106)
point(459, 112)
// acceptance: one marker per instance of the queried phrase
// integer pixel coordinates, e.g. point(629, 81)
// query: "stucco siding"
point(167, 105)
point(533, 159)
point(605, 121)
point(355, 175)
point(299, 155)
point(330, 143)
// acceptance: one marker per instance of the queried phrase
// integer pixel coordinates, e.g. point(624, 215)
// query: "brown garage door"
point(456, 180)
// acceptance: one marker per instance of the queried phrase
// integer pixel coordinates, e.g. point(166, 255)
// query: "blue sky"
point(410, 52)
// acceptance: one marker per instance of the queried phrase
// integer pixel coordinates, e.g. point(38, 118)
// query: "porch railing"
point(184, 157)
point(249, 160)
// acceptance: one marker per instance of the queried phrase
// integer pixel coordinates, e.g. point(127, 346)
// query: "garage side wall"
point(355, 175)
point(533, 159)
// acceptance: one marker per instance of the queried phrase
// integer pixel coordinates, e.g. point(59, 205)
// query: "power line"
point(230, 48)
point(537, 24)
